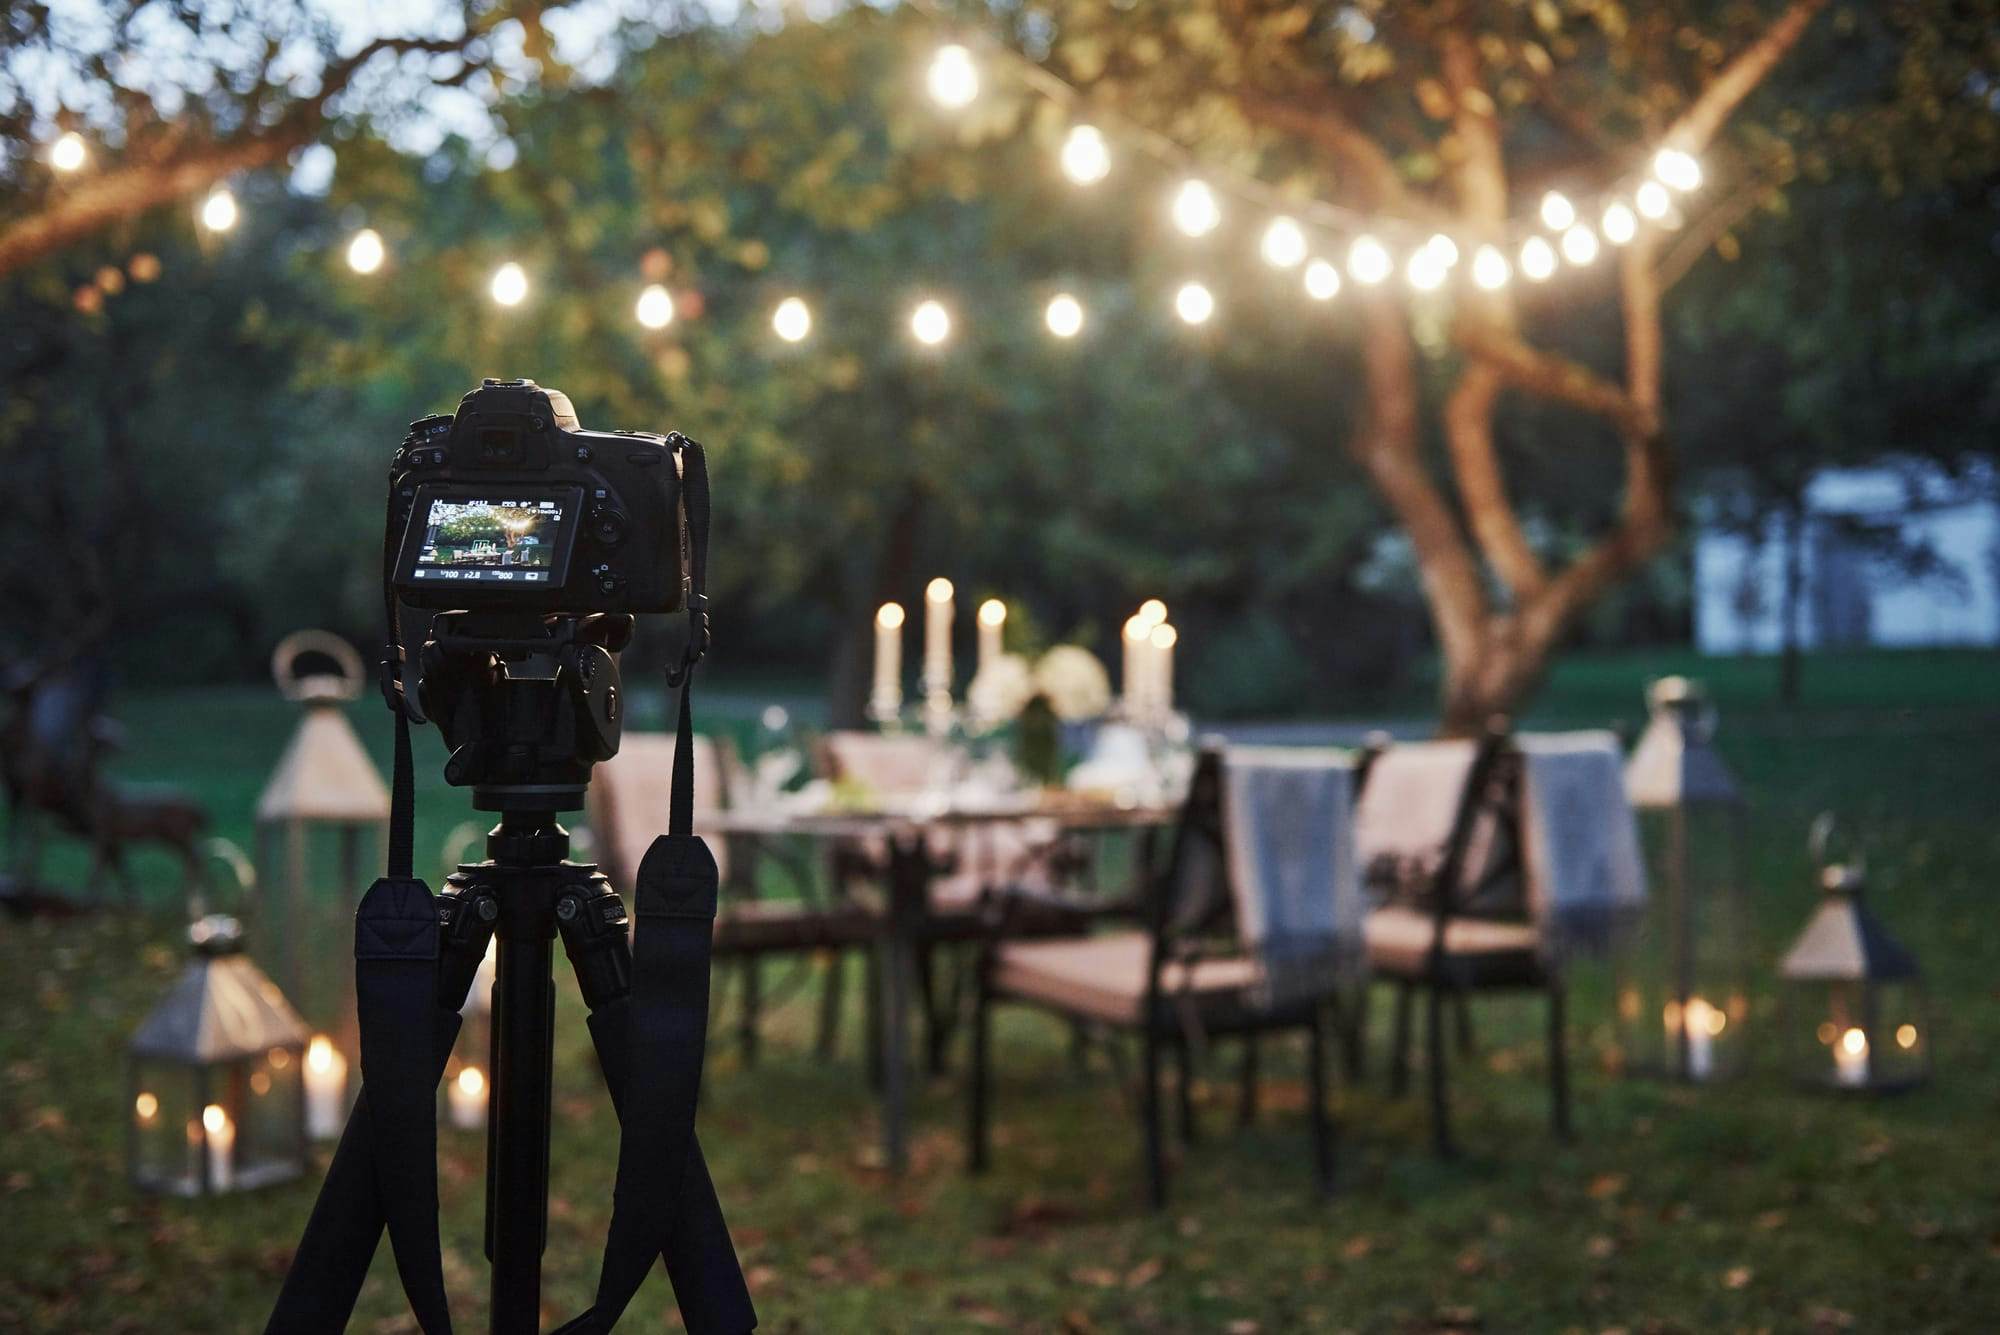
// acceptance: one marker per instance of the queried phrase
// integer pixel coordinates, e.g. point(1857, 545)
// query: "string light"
point(1424, 270)
point(656, 307)
point(792, 320)
point(1619, 224)
point(1652, 200)
point(1443, 249)
point(1677, 170)
point(1064, 315)
point(1284, 244)
point(931, 323)
point(1194, 303)
point(1557, 212)
point(366, 252)
point(1195, 211)
point(1367, 261)
point(1579, 245)
point(1086, 159)
point(510, 284)
point(1538, 259)
point(219, 211)
point(69, 153)
point(1322, 281)
point(953, 78)
point(1490, 269)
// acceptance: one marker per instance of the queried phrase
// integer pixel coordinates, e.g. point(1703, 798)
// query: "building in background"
point(1901, 555)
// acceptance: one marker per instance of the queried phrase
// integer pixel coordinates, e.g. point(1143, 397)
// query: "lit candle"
point(886, 700)
point(467, 1095)
point(220, 1134)
point(992, 622)
point(1702, 1023)
point(1137, 646)
point(938, 613)
point(1850, 1059)
point(326, 1089)
point(1161, 694)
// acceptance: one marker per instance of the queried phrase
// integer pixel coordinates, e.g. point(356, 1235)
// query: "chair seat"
point(1104, 977)
point(1480, 951)
point(762, 927)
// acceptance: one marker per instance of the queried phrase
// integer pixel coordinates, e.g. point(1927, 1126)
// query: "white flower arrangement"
point(1076, 684)
point(1001, 689)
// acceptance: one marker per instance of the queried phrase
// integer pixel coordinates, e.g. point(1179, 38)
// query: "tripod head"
point(526, 701)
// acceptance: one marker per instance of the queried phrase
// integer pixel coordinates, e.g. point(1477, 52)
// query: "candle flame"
point(1137, 628)
point(214, 1120)
point(1164, 637)
point(938, 590)
point(320, 1054)
point(472, 1082)
point(993, 612)
point(889, 616)
point(1153, 612)
point(147, 1105)
point(1906, 1036)
point(1854, 1042)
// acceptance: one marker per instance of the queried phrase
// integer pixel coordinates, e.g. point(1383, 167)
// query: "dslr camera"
point(510, 505)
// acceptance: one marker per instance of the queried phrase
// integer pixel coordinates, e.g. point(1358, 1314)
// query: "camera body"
point(510, 504)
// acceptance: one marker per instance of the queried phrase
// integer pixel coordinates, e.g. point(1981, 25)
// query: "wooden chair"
point(1185, 976)
point(627, 809)
point(1438, 825)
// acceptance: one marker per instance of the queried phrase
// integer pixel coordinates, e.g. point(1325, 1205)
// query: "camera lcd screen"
point(506, 539)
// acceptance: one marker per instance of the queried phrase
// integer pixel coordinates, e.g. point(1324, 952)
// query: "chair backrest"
point(1289, 831)
point(1443, 814)
point(1192, 896)
point(627, 800)
point(889, 764)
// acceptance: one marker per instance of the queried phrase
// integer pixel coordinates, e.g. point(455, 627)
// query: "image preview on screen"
point(491, 541)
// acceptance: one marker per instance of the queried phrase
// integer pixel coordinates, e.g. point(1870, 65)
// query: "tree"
point(182, 97)
point(1439, 114)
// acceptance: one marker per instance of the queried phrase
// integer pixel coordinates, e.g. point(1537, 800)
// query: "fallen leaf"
point(1822, 1318)
point(1243, 1326)
point(1357, 1247)
point(1600, 1248)
point(1771, 1219)
point(1737, 1277)
point(1144, 1273)
point(1095, 1276)
point(1606, 1185)
point(1076, 1321)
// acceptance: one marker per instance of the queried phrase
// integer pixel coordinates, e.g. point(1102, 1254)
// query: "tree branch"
point(177, 166)
point(1553, 376)
point(1713, 106)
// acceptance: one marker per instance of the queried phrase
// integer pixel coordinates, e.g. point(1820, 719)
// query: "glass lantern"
point(215, 1094)
point(1856, 1016)
point(1683, 980)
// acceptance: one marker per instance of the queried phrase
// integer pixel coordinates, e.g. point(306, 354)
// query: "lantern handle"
point(242, 875)
point(343, 683)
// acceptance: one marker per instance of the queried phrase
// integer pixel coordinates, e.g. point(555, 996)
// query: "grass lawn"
point(1751, 1207)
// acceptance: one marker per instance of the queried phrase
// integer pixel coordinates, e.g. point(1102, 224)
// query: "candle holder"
point(214, 1093)
point(1683, 979)
point(1856, 1015)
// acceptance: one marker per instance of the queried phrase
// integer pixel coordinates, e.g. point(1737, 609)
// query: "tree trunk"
point(1791, 603)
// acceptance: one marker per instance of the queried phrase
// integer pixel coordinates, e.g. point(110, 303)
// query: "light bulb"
point(366, 252)
point(69, 153)
point(1557, 211)
point(1194, 303)
point(1086, 159)
point(953, 78)
point(1064, 315)
point(510, 284)
point(218, 211)
point(655, 309)
point(1490, 269)
point(1538, 259)
point(1652, 200)
point(1425, 272)
point(1619, 224)
point(931, 323)
point(1579, 245)
point(1284, 243)
point(1444, 249)
point(1322, 281)
point(1195, 210)
point(1677, 170)
point(793, 320)
point(1368, 261)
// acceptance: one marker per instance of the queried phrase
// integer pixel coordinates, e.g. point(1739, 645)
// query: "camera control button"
point(583, 454)
point(607, 526)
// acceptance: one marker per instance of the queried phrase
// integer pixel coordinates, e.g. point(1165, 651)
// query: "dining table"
point(923, 838)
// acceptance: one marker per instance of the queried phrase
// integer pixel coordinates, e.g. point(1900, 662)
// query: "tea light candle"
point(1702, 1023)
point(992, 622)
point(938, 613)
point(220, 1137)
point(467, 1096)
point(1850, 1059)
point(886, 699)
point(326, 1088)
